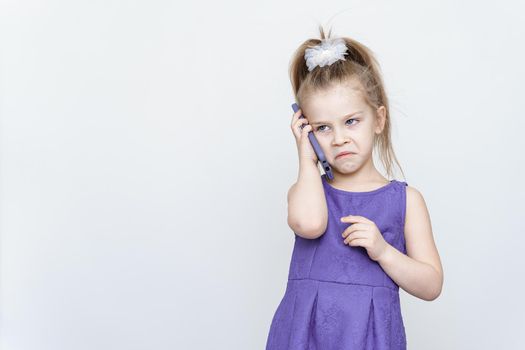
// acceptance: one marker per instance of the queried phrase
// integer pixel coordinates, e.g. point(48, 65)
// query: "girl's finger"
point(296, 127)
point(306, 130)
point(354, 218)
point(296, 116)
point(300, 122)
point(353, 228)
point(355, 235)
point(358, 242)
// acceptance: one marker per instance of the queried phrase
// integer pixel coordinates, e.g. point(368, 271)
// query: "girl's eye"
point(319, 127)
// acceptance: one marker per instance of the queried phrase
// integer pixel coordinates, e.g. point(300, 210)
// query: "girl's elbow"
point(437, 286)
point(435, 294)
point(432, 296)
point(317, 232)
point(308, 231)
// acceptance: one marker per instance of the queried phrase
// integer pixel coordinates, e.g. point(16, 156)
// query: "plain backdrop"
point(146, 154)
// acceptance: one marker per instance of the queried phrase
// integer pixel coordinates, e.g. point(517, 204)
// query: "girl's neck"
point(361, 180)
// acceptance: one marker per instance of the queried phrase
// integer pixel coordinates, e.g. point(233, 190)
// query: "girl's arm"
point(307, 210)
point(419, 272)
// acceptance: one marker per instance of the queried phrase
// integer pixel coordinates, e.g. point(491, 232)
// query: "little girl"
point(358, 237)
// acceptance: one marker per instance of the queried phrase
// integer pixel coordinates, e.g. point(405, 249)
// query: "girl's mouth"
point(344, 155)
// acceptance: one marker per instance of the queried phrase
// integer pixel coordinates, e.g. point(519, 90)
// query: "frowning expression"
point(342, 121)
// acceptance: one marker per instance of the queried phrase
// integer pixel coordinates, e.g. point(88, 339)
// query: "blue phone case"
point(318, 151)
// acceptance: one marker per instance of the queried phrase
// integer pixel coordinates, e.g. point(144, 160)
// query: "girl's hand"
point(364, 233)
point(304, 147)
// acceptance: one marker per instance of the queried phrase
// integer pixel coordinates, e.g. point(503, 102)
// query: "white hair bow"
point(325, 53)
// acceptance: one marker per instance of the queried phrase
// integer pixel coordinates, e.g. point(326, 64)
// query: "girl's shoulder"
point(417, 216)
point(414, 196)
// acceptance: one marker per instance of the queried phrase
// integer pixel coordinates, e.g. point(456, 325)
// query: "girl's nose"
point(340, 137)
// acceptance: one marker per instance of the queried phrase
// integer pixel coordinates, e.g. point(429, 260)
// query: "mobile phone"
point(318, 151)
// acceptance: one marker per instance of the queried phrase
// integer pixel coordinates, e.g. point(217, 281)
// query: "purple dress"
point(336, 296)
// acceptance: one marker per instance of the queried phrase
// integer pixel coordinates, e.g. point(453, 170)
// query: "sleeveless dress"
point(336, 297)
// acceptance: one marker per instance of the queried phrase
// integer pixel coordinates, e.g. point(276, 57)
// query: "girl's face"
point(342, 121)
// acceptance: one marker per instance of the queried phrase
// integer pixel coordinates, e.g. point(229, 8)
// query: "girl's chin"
point(345, 167)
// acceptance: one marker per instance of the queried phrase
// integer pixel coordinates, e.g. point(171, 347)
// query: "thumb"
point(307, 129)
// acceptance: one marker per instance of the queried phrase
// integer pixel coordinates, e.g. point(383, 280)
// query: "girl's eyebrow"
point(343, 117)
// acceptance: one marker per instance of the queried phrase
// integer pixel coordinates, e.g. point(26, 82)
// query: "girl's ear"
point(380, 119)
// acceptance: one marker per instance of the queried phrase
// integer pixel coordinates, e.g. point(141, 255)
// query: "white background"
point(146, 154)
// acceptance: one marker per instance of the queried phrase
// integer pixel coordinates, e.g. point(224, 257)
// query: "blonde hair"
point(361, 64)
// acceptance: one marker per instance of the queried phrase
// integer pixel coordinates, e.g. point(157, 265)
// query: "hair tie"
point(325, 53)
